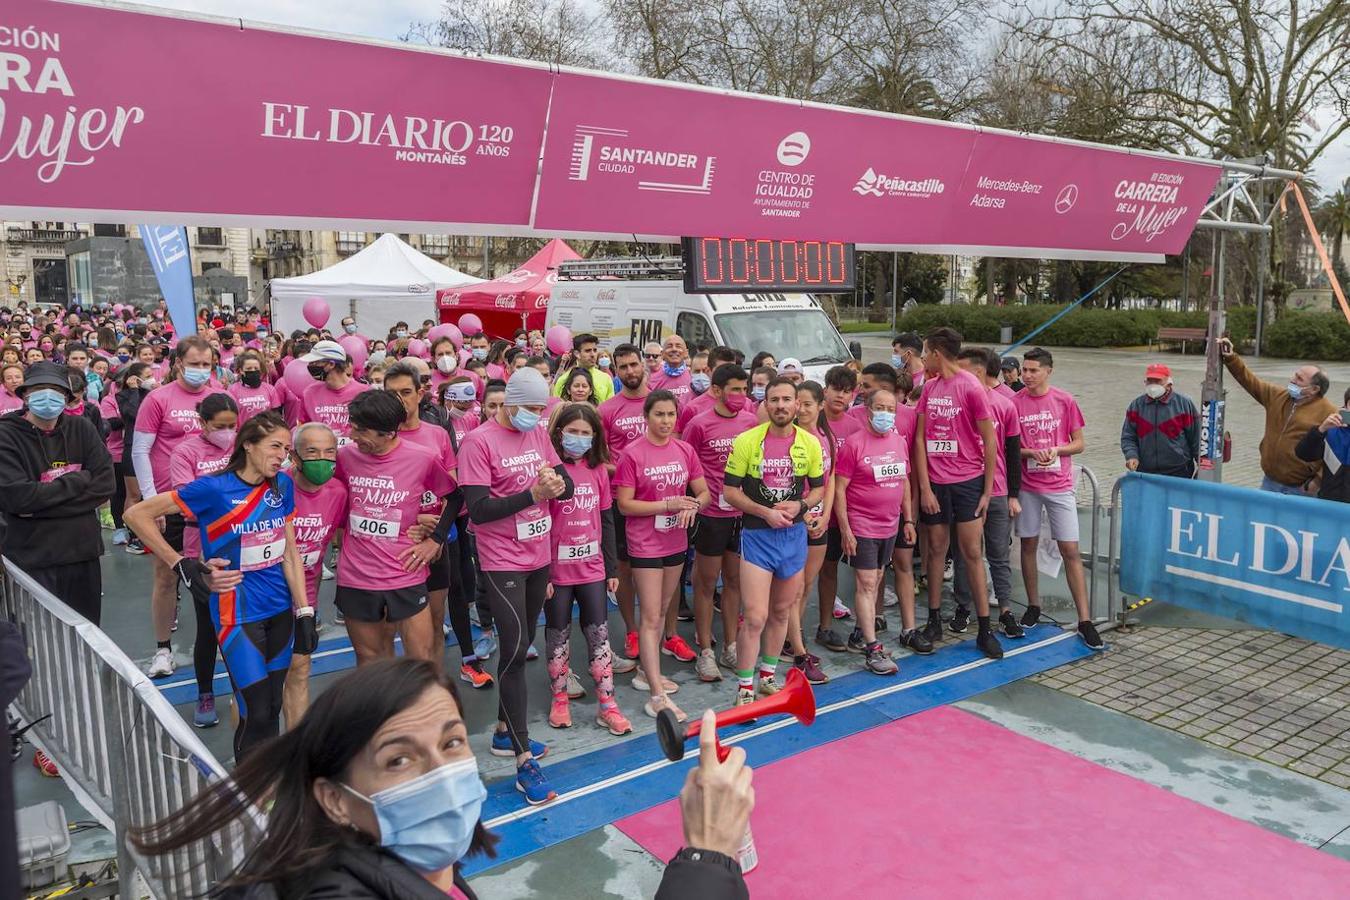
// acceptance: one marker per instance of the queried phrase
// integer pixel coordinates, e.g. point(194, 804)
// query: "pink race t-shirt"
point(711, 434)
point(9, 402)
point(170, 414)
point(696, 406)
point(1047, 421)
point(384, 495)
point(191, 460)
point(577, 557)
point(679, 385)
point(624, 422)
point(323, 404)
point(107, 408)
point(877, 467)
point(1003, 390)
point(252, 401)
point(952, 408)
point(1005, 426)
point(506, 462)
point(656, 473)
point(436, 441)
point(317, 515)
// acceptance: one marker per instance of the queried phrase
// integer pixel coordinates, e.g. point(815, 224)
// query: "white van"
point(619, 309)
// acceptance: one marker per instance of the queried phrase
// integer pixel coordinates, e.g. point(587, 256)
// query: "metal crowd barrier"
point(122, 749)
point(1090, 557)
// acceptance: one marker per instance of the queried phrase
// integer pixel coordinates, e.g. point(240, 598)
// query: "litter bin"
point(1005, 333)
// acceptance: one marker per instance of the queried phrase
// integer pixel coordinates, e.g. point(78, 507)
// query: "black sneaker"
point(989, 645)
point(880, 623)
point(915, 641)
point(932, 632)
point(1008, 622)
point(1088, 632)
point(685, 614)
point(830, 640)
point(1032, 617)
point(856, 644)
point(960, 620)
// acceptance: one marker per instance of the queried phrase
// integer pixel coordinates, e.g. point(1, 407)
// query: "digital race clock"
point(748, 266)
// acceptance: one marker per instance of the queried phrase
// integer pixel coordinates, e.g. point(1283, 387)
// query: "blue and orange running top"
point(246, 525)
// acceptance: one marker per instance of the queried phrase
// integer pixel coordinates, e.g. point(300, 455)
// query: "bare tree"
point(556, 31)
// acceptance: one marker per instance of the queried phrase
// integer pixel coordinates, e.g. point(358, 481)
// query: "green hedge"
point(1084, 327)
point(1309, 335)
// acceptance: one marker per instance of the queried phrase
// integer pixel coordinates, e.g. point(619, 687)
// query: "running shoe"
point(830, 639)
point(728, 657)
point(610, 717)
point(105, 518)
point(630, 645)
point(960, 620)
point(560, 713)
point(685, 614)
point(1088, 633)
point(888, 597)
point(574, 688)
point(840, 610)
point(623, 665)
point(501, 746)
point(446, 631)
point(327, 574)
point(989, 645)
point(531, 782)
point(809, 665)
point(914, 641)
point(878, 661)
point(531, 653)
point(120, 537)
point(948, 571)
point(768, 686)
point(856, 644)
point(177, 608)
point(879, 623)
point(473, 674)
point(135, 547)
point(205, 714)
point(483, 648)
point(787, 649)
point(341, 621)
point(1008, 623)
point(667, 686)
point(660, 702)
point(162, 663)
point(932, 632)
point(1032, 617)
point(43, 763)
point(745, 695)
point(706, 666)
point(677, 647)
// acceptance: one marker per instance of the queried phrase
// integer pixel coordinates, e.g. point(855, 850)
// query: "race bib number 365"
point(533, 529)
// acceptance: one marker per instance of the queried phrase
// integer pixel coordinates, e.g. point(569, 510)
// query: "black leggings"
point(456, 600)
point(257, 655)
point(517, 599)
point(475, 588)
point(119, 497)
point(204, 648)
point(594, 624)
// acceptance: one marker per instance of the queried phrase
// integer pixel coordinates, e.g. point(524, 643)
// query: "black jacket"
point(52, 523)
point(128, 404)
point(1312, 447)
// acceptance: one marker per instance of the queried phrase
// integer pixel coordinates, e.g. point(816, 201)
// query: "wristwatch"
point(695, 854)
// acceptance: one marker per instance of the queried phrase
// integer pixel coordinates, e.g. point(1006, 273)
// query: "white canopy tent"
point(387, 282)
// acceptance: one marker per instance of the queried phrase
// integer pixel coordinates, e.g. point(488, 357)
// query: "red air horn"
point(796, 699)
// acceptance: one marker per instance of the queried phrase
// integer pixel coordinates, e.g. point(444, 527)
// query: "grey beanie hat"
point(526, 388)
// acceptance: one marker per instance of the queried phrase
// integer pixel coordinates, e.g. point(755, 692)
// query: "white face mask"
point(1155, 390)
point(446, 362)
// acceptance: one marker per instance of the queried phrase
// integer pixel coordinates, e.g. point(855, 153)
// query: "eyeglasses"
point(651, 356)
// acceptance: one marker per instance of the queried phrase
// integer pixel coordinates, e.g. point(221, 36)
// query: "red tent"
point(517, 299)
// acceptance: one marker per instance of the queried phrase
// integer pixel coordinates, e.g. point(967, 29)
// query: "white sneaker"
point(575, 690)
point(706, 666)
point(622, 665)
point(948, 572)
point(728, 657)
point(841, 610)
point(162, 664)
point(640, 684)
point(327, 574)
point(889, 597)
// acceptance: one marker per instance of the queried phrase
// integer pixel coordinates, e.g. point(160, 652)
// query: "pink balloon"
point(297, 377)
point(446, 330)
point(316, 311)
point(559, 339)
point(470, 324)
point(418, 347)
point(355, 346)
point(117, 308)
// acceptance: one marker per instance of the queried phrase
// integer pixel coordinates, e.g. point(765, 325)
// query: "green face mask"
point(317, 471)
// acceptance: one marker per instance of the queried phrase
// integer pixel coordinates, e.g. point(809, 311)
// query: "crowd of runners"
point(449, 483)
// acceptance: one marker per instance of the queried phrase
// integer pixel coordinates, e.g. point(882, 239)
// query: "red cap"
point(1158, 370)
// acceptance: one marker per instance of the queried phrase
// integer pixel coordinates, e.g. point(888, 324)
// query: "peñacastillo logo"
point(874, 184)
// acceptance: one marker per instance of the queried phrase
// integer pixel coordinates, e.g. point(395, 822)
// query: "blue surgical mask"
point(1295, 391)
point(757, 393)
point(123, 357)
point(401, 333)
point(524, 419)
point(520, 342)
point(479, 353)
point(576, 444)
point(700, 383)
point(897, 361)
point(46, 403)
point(604, 362)
point(429, 822)
point(883, 421)
point(196, 377)
point(350, 329)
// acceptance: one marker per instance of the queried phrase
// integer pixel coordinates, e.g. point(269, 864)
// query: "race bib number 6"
point(260, 550)
point(942, 448)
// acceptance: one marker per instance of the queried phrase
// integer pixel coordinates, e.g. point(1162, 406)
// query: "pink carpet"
point(1023, 820)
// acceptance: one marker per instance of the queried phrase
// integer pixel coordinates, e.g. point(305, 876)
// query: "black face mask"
point(317, 371)
point(253, 379)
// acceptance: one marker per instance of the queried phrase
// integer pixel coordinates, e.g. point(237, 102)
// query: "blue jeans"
point(1268, 484)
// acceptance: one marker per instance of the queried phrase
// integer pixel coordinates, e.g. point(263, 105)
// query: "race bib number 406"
point(380, 528)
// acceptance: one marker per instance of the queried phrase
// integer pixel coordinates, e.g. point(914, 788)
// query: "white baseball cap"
point(789, 366)
point(325, 351)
